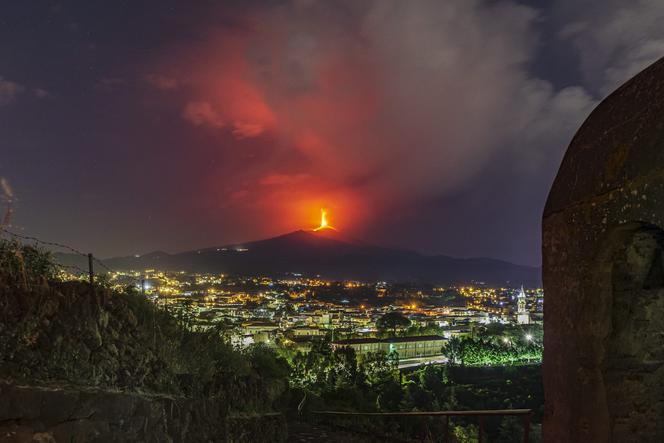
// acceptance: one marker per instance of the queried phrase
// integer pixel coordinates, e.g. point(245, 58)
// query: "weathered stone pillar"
point(603, 271)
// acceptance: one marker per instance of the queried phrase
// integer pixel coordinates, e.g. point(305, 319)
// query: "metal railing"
point(525, 415)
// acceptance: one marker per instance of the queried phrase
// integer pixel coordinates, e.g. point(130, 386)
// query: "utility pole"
point(143, 285)
point(91, 269)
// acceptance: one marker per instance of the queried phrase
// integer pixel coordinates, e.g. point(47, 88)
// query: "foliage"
point(323, 369)
point(505, 333)
point(453, 350)
point(429, 328)
point(390, 395)
point(340, 380)
point(504, 349)
point(379, 368)
point(510, 430)
point(24, 265)
point(391, 322)
point(466, 434)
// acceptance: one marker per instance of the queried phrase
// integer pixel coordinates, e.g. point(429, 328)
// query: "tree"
point(344, 367)
point(453, 350)
point(510, 430)
point(417, 398)
point(392, 321)
point(433, 379)
point(390, 396)
point(312, 370)
point(379, 367)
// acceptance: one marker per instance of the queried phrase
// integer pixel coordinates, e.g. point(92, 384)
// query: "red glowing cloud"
point(323, 106)
point(240, 83)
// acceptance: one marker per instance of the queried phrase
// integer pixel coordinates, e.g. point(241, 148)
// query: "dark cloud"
point(613, 39)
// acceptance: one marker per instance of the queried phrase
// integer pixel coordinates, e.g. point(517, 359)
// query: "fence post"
point(526, 428)
point(481, 434)
point(91, 269)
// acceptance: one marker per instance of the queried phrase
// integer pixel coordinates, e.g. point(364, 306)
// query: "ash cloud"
point(387, 106)
point(397, 100)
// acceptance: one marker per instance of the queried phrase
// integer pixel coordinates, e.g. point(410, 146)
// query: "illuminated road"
point(413, 362)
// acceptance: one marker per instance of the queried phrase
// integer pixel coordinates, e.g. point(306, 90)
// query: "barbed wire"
point(69, 248)
point(63, 246)
point(47, 243)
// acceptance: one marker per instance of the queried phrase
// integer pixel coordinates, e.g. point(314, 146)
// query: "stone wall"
point(603, 273)
point(43, 414)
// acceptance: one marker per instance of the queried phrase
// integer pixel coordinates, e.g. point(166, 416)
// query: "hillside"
point(84, 363)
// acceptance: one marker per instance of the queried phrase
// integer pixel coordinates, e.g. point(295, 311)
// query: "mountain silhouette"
point(326, 253)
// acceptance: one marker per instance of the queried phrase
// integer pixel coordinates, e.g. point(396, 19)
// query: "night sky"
point(132, 126)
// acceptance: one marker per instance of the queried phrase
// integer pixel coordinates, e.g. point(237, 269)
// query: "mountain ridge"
point(329, 255)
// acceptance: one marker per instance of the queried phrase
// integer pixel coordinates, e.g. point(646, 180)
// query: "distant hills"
point(330, 255)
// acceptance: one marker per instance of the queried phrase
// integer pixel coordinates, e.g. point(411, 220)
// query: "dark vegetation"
point(71, 334)
point(392, 321)
point(340, 380)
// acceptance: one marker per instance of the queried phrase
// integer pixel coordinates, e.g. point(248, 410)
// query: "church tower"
point(522, 314)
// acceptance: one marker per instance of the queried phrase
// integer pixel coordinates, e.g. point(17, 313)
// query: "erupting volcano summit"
point(323, 222)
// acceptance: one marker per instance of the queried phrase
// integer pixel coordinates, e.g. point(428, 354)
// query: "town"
point(292, 312)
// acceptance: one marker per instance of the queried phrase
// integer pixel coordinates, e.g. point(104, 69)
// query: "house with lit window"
point(405, 347)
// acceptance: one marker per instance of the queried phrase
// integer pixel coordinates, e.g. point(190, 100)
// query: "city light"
point(265, 309)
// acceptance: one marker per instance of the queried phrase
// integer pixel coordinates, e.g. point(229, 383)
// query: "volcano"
point(328, 254)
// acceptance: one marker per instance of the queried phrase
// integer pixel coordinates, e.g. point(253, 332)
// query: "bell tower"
point(522, 314)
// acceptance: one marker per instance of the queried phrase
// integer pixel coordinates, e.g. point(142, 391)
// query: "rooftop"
point(357, 341)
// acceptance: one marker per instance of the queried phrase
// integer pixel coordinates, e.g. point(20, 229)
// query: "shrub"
point(24, 265)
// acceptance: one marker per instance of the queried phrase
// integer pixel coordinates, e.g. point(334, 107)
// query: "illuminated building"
point(405, 347)
point(522, 314)
point(305, 331)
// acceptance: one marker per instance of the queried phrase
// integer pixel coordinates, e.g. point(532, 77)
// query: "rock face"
point(603, 273)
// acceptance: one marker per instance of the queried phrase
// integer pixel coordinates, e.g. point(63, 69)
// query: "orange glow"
point(324, 224)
